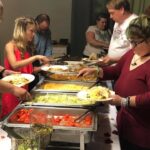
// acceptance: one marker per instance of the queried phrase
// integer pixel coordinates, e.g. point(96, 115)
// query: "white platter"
point(87, 60)
point(74, 62)
point(83, 95)
point(18, 77)
point(55, 68)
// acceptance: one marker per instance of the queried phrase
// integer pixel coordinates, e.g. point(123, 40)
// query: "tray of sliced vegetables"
point(58, 118)
point(59, 100)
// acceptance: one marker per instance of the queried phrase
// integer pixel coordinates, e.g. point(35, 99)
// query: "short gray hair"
point(139, 28)
point(118, 4)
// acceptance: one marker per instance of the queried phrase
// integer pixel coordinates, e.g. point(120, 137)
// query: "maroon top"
point(133, 123)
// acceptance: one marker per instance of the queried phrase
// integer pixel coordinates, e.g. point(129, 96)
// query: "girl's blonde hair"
point(19, 34)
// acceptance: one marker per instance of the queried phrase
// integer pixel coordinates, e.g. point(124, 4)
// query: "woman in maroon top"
point(132, 87)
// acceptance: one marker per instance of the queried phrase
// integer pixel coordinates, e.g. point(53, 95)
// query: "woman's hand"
point(51, 59)
point(107, 60)
point(86, 71)
point(21, 93)
point(116, 100)
point(104, 61)
point(43, 59)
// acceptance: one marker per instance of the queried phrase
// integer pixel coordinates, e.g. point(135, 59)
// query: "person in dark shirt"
point(42, 39)
point(132, 87)
point(42, 42)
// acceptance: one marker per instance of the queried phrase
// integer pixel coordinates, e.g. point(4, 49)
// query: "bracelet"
point(125, 102)
point(1, 73)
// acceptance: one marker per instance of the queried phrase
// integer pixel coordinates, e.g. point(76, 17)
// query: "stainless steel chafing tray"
point(63, 69)
point(59, 100)
point(25, 129)
point(54, 111)
point(70, 77)
point(73, 85)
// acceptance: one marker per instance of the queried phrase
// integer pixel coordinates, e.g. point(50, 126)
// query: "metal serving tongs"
point(95, 83)
point(95, 62)
point(82, 116)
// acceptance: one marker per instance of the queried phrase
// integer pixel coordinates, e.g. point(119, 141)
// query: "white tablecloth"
point(5, 142)
point(105, 138)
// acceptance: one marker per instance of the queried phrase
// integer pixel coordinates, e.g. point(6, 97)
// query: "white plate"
point(45, 68)
point(55, 68)
point(74, 62)
point(83, 95)
point(58, 67)
point(12, 77)
point(92, 61)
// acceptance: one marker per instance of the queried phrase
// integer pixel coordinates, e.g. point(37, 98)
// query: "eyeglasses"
point(136, 43)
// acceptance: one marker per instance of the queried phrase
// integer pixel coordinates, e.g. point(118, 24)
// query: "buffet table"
point(106, 136)
point(58, 105)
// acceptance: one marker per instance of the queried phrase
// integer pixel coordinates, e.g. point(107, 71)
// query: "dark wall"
point(81, 12)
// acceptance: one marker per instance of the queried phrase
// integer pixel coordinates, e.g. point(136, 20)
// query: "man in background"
point(42, 40)
point(119, 11)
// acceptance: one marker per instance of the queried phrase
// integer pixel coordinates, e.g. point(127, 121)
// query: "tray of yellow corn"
point(59, 100)
point(61, 86)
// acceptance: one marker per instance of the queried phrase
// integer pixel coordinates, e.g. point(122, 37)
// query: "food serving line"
point(59, 107)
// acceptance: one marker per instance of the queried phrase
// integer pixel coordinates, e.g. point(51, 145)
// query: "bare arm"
point(90, 37)
point(9, 49)
point(5, 87)
point(18, 92)
point(108, 60)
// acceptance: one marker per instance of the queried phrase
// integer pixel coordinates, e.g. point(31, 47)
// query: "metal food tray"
point(38, 89)
point(40, 93)
point(63, 69)
point(54, 111)
point(69, 77)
